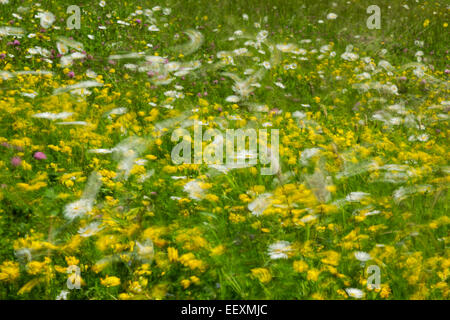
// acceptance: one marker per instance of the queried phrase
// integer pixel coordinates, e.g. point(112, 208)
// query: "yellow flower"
point(173, 254)
point(313, 275)
point(110, 281)
point(445, 25)
point(300, 266)
point(212, 197)
point(9, 271)
point(28, 286)
point(125, 296)
point(185, 283)
point(194, 279)
point(426, 23)
point(72, 261)
point(259, 189)
point(262, 274)
point(217, 251)
point(159, 291)
point(332, 257)
point(317, 296)
point(385, 291)
point(35, 267)
point(203, 102)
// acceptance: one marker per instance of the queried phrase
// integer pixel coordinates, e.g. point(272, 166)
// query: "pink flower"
point(40, 156)
point(71, 74)
point(16, 161)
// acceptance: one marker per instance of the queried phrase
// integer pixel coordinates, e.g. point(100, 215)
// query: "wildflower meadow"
point(224, 149)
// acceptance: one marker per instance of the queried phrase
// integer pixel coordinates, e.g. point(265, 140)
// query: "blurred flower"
point(354, 293)
point(40, 155)
point(279, 250)
point(362, 256)
point(110, 281)
point(47, 19)
point(16, 161)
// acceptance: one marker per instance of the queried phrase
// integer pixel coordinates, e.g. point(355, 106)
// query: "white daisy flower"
point(153, 28)
point(286, 47)
point(73, 123)
point(356, 196)
point(308, 154)
point(332, 16)
point(64, 293)
point(266, 64)
point(354, 293)
point(362, 256)
point(11, 31)
point(262, 35)
point(100, 151)
point(53, 116)
point(423, 137)
point(123, 22)
point(62, 48)
point(78, 208)
point(349, 56)
point(194, 189)
point(90, 229)
point(260, 204)
point(145, 250)
point(279, 250)
point(91, 74)
point(308, 218)
point(47, 19)
point(232, 99)
point(299, 115)
point(31, 95)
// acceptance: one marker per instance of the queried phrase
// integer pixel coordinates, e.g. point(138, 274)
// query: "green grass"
point(407, 239)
